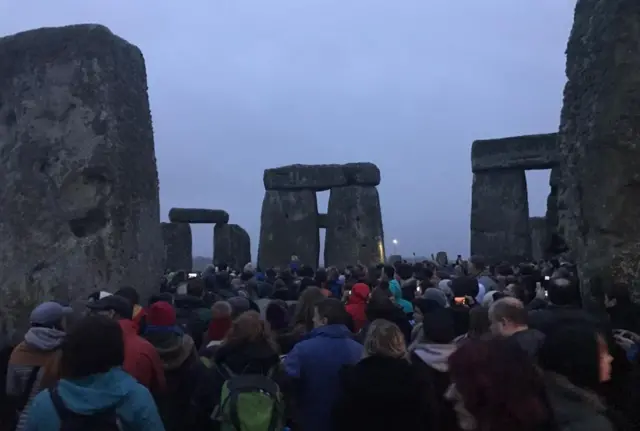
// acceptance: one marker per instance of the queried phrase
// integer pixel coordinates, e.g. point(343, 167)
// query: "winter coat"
point(375, 387)
point(314, 364)
point(135, 406)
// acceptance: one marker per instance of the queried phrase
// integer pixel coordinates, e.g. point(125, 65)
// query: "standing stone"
point(79, 194)
point(288, 226)
point(354, 227)
point(600, 142)
point(441, 258)
point(500, 215)
point(178, 246)
point(231, 245)
point(539, 237)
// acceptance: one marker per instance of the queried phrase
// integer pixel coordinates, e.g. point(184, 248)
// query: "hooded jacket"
point(194, 316)
point(136, 408)
point(141, 359)
point(314, 364)
point(430, 361)
point(38, 353)
point(394, 286)
point(356, 305)
point(530, 340)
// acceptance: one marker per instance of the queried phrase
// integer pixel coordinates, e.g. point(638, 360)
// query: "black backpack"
point(103, 420)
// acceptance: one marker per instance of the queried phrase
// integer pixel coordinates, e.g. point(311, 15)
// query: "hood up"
point(435, 356)
point(44, 338)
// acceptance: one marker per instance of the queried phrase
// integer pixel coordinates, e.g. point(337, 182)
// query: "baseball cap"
point(161, 314)
point(116, 303)
point(49, 313)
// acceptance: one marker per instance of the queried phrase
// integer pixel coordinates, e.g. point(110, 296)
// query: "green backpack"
point(250, 402)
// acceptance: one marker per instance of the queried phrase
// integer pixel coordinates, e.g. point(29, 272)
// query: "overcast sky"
point(237, 86)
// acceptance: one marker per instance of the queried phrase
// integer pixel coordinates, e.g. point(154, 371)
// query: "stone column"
point(539, 237)
point(500, 215)
point(354, 227)
point(288, 226)
point(178, 246)
point(80, 208)
point(231, 245)
point(600, 142)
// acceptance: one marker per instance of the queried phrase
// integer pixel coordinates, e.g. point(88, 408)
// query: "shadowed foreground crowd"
point(403, 347)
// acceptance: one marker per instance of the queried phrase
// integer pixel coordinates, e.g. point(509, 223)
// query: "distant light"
point(395, 242)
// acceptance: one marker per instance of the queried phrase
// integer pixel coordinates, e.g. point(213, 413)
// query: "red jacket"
point(141, 359)
point(356, 305)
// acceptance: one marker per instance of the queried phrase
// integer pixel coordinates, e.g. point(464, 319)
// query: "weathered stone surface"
point(79, 194)
point(178, 248)
point(500, 215)
point(600, 142)
point(354, 227)
point(441, 258)
point(231, 245)
point(522, 152)
point(198, 215)
point(539, 237)
point(288, 226)
point(322, 221)
point(321, 177)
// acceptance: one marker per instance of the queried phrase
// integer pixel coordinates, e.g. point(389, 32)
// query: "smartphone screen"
point(193, 275)
point(460, 300)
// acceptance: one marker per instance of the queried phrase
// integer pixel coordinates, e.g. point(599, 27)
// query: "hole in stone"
point(92, 222)
point(323, 201)
point(538, 191)
point(10, 120)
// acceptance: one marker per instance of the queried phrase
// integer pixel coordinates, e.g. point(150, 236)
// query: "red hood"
point(359, 294)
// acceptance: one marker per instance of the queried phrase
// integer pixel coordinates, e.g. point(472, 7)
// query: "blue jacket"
point(137, 410)
point(315, 363)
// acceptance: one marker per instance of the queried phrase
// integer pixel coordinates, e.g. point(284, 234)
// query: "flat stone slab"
point(321, 177)
point(198, 215)
point(523, 152)
point(80, 207)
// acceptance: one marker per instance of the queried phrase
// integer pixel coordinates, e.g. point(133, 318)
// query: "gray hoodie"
point(435, 356)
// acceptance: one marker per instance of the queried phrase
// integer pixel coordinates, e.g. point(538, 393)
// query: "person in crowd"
point(396, 290)
point(302, 321)
point(220, 324)
point(314, 364)
point(34, 363)
point(491, 297)
point(248, 349)
point(380, 306)
point(429, 357)
point(495, 386)
point(139, 313)
point(465, 290)
point(479, 270)
point(181, 366)
point(623, 314)
point(576, 362)
point(433, 298)
point(334, 284)
point(94, 390)
point(277, 314)
point(141, 359)
point(508, 318)
point(193, 313)
point(356, 304)
point(381, 383)
point(563, 309)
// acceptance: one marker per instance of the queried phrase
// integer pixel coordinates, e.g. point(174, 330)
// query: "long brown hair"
point(305, 308)
point(250, 328)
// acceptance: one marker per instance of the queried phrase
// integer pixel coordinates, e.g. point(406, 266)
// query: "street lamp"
point(395, 246)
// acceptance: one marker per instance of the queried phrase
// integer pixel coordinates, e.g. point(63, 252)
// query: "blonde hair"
point(384, 338)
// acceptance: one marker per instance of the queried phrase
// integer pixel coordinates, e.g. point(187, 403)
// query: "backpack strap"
point(61, 409)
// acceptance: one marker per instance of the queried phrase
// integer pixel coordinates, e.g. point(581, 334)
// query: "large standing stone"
point(231, 245)
point(539, 237)
point(79, 193)
point(600, 141)
point(500, 215)
point(178, 246)
point(354, 227)
point(289, 226)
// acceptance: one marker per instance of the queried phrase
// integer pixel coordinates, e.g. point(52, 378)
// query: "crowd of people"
point(409, 346)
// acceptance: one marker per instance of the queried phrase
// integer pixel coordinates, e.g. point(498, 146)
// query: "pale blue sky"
point(240, 86)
